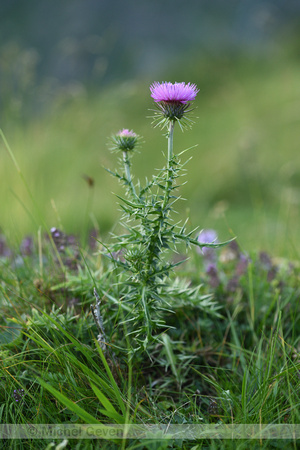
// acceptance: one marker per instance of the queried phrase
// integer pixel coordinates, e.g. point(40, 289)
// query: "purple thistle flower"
point(172, 101)
point(170, 93)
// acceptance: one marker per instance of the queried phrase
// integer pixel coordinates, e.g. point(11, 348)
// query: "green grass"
point(239, 366)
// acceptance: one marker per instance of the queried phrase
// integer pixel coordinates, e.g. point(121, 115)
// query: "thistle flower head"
point(173, 93)
point(125, 140)
point(173, 100)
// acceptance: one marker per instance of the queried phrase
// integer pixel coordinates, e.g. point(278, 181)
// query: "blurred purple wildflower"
point(93, 236)
point(265, 260)
point(212, 272)
point(208, 237)
point(232, 284)
point(267, 265)
point(209, 256)
point(55, 232)
point(170, 93)
point(26, 247)
point(18, 394)
point(4, 249)
point(231, 252)
point(117, 256)
point(67, 247)
point(242, 265)
point(62, 240)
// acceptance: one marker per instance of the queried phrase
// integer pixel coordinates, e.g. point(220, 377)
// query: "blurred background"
point(74, 72)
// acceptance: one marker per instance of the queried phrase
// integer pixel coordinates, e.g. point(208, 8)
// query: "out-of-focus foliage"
point(73, 74)
point(52, 49)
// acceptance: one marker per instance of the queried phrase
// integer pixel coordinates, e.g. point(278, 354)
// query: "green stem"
point(170, 157)
point(147, 316)
point(170, 142)
point(127, 173)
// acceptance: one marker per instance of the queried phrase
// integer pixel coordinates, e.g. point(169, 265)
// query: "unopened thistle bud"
point(125, 140)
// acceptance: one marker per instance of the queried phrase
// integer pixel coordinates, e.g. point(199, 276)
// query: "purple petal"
point(177, 92)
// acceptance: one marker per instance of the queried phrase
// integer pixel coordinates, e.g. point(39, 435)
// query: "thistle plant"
point(141, 254)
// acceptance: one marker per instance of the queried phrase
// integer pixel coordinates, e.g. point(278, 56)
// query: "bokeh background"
point(74, 72)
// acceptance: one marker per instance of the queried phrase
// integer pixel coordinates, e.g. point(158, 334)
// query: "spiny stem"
point(170, 157)
point(155, 237)
point(127, 172)
point(170, 142)
point(146, 314)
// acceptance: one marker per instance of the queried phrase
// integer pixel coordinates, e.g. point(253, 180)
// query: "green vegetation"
point(244, 175)
point(230, 354)
point(234, 361)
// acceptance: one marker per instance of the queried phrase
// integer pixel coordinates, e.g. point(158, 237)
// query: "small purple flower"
point(18, 394)
point(55, 232)
point(209, 254)
point(177, 92)
point(125, 140)
point(172, 100)
point(207, 237)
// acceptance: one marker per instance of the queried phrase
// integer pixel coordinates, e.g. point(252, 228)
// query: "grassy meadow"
point(229, 351)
